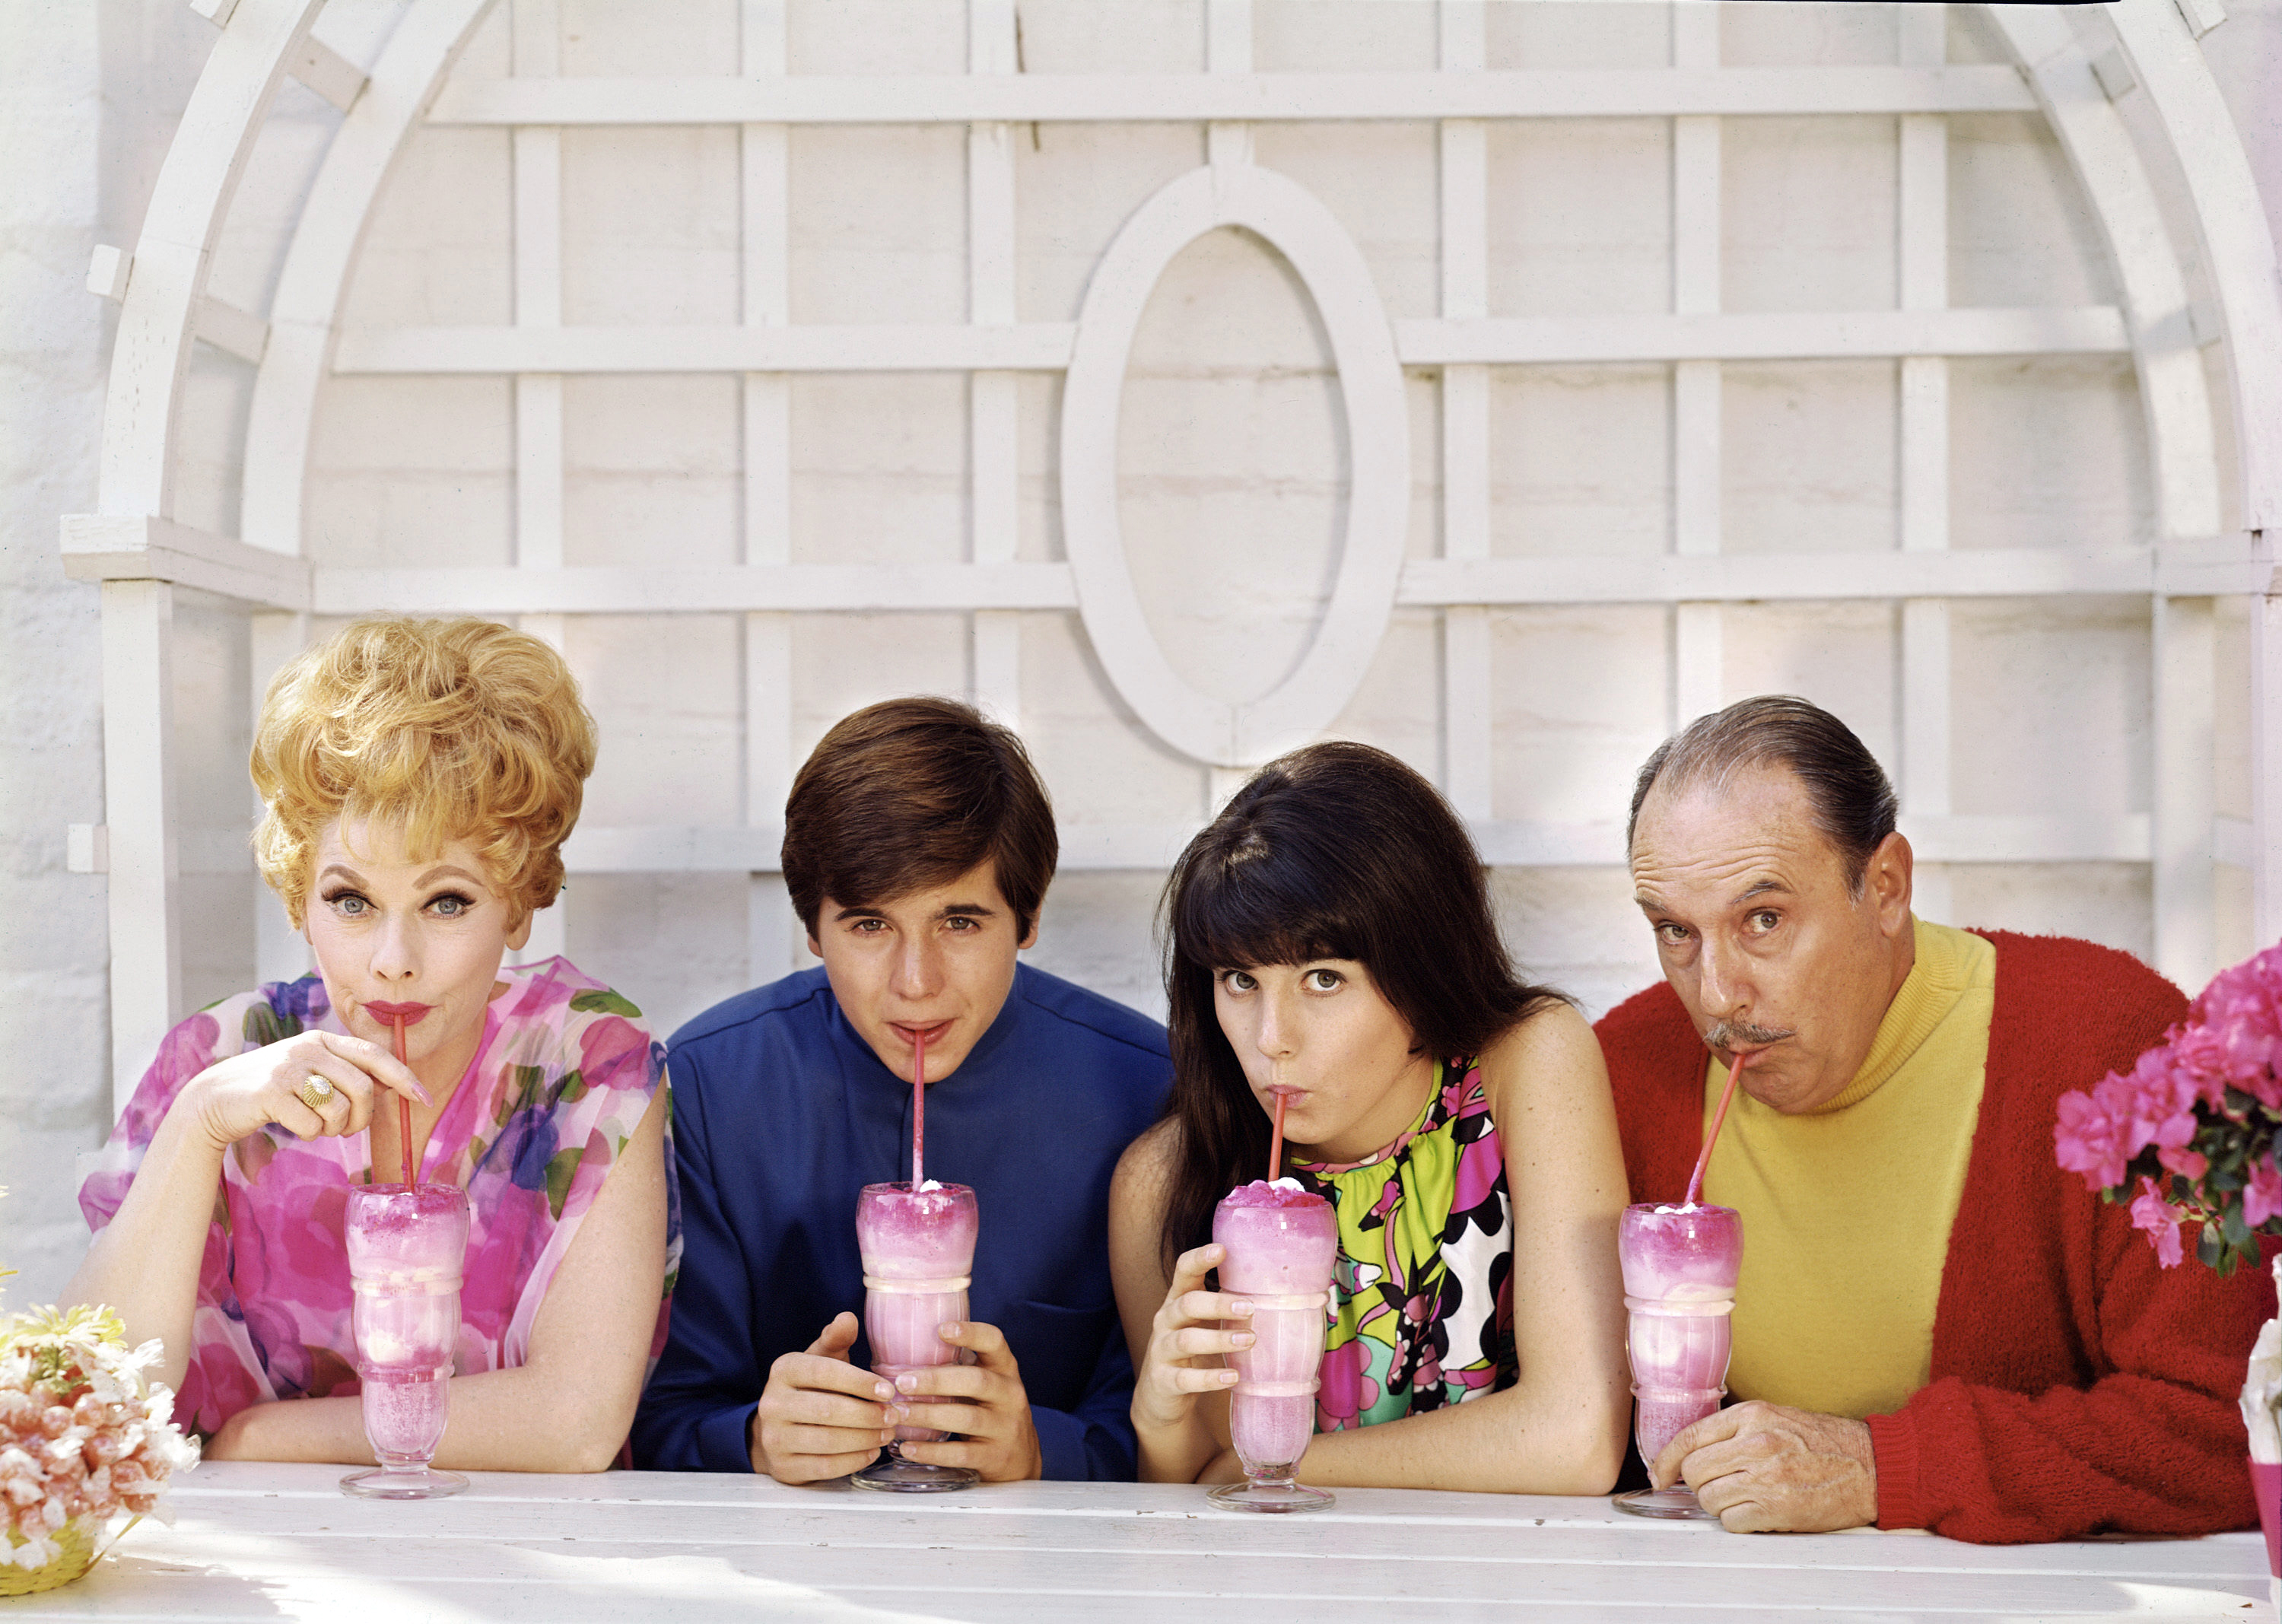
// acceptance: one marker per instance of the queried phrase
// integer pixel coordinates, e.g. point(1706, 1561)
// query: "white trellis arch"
point(2219, 286)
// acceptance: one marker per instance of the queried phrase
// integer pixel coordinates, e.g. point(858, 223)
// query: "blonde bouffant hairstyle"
point(444, 729)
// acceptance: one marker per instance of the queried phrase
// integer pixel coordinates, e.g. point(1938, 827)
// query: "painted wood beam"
point(107, 546)
point(1046, 346)
point(1025, 98)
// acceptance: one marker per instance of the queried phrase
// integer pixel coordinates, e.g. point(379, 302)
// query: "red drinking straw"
point(1703, 1158)
point(1276, 1143)
point(918, 1109)
point(404, 1115)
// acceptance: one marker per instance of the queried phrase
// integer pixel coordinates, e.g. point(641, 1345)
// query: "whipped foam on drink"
point(1283, 1193)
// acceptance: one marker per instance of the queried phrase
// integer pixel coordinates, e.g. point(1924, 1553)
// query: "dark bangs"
point(1241, 907)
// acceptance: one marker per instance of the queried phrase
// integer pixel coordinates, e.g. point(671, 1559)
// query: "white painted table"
point(267, 1542)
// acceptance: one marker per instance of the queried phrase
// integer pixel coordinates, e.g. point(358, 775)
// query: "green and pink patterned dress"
point(561, 1076)
point(1422, 1289)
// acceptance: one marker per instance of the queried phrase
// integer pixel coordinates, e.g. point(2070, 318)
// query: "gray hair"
point(1852, 799)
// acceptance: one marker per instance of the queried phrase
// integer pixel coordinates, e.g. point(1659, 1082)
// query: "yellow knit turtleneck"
point(1847, 1209)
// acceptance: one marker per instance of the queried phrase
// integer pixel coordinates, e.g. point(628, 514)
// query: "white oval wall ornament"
point(1330, 268)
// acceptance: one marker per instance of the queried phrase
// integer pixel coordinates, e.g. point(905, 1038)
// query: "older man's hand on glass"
point(1769, 1469)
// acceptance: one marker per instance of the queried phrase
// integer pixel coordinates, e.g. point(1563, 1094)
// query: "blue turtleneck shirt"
point(782, 1113)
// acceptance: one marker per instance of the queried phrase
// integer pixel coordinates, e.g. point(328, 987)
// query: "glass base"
point(417, 1482)
point(1668, 1502)
point(1269, 1494)
point(893, 1475)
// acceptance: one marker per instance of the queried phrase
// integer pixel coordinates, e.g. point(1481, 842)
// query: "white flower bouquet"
point(85, 1440)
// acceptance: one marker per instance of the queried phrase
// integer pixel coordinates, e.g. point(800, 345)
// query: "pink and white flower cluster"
point(2194, 1121)
point(82, 1434)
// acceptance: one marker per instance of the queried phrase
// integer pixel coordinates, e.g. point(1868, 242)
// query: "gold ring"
point(315, 1090)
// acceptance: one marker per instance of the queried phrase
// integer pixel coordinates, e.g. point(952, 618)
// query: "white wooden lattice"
point(137, 549)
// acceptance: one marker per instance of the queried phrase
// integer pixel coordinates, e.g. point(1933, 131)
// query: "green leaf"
point(265, 1026)
point(558, 1179)
point(602, 1001)
point(573, 1089)
point(2212, 1251)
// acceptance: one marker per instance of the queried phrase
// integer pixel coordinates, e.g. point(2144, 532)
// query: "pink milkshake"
point(406, 1247)
point(1680, 1266)
point(1280, 1243)
point(918, 1251)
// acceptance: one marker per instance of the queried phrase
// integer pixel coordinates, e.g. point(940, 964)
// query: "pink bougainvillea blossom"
point(2161, 1220)
point(2262, 1198)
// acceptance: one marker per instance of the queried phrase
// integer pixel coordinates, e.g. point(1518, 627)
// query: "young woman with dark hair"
point(1328, 938)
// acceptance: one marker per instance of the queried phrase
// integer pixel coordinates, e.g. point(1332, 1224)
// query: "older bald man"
point(1935, 1327)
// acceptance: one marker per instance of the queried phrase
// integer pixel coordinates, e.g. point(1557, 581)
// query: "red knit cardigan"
point(2077, 1386)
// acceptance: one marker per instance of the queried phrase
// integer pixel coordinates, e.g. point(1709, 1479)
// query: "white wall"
point(1233, 451)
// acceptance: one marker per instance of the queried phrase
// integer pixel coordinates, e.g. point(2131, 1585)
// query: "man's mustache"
point(1733, 1035)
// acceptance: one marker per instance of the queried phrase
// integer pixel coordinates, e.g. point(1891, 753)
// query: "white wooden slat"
point(327, 71)
point(2238, 250)
point(314, 275)
point(151, 354)
point(1467, 743)
point(1804, 335)
point(1467, 719)
point(1036, 98)
point(1699, 497)
point(144, 890)
point(2175, 396)
point(2230, 842)
point(1046, 346)
point(994, 463)
point(753, 847)
point(1699, 660)
point(1790, 577)
point(1424, 583)
point(773, 933)
point(537, 50)
point(108, 548)
point(1228, 53)
point(280, 951)
point(2266, 761)
point(2186, 801)
point(812, 348)
point(221, 324)
point(550, 927)
point(1922, 237)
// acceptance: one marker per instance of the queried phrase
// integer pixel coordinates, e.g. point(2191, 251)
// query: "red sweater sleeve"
point(2078, 1387)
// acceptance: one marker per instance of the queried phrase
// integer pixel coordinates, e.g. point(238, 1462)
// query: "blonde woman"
point(420, 778)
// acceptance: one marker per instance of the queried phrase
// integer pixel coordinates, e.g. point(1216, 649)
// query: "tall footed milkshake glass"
point(1279, 1243)
point(406, 1249)
point(1679, 1265)
point(918, 1247)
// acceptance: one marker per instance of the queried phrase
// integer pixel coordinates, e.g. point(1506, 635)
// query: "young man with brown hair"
point(918, 847)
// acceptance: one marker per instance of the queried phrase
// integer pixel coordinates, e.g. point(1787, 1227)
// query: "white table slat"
point(271, 1542)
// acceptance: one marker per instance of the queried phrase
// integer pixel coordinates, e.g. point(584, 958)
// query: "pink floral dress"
point(561, 1076)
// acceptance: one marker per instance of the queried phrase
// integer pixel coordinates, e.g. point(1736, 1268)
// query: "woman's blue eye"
point(450, 906)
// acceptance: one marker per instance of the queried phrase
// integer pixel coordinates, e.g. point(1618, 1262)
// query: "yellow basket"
point(77, 1539)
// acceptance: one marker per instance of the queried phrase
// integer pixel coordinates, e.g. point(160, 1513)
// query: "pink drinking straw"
point(1276, 1143)
point(918, 1109)
point(1703, 1157)
point(404, 1115)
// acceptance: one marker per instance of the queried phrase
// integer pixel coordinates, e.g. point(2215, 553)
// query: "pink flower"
point(2088, 1140)
point(2262, 1198)
point(2161, 1220)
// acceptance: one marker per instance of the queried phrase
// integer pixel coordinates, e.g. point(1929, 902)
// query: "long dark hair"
point(1334, 851)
